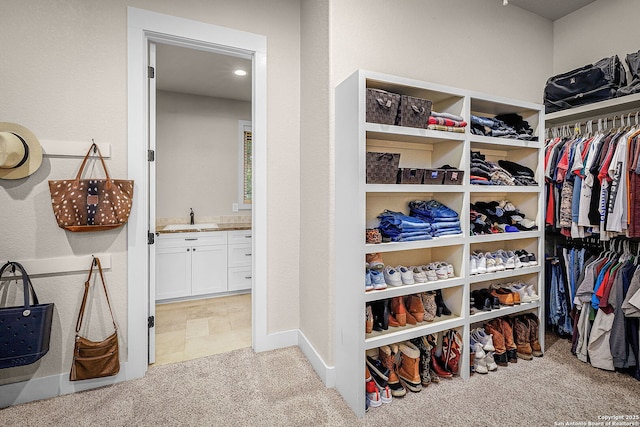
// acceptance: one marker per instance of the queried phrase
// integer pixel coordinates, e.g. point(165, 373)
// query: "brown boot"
point(430, 307)
point(415, 307)
point(534, 334)
point(498, 342)
point(399, 311)
point(368, 328)
point(521, 329)
point(506, 325)
point(409, 370)
point(439, 371)
point(387, 356)
point(375, 261)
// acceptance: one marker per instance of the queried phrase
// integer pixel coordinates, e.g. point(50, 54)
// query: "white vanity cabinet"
point(202, 263)
point(239, 260)
point(189, 264)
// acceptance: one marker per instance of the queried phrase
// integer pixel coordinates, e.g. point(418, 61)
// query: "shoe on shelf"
point(506, 325)
point(387, 354)
point(392, 276)
point(441, 270)
point(479, 362)
point(490, 361)
point(430, 306)
point(414, 306)
point(534, 332)
point(399, 311)
point(419, 276)
point(499, 262)
point(436, 364)
point(429, 272)
point(524, 257)
point(441, 309)
point(483, 338)
point(373, 394)
point(368, 319)
point(377, 279)
point(532, 293)
point(520, 288)
point(481, 264)
point(368, 286)
point(516, 259)
point(375, 261)
point(490, 262)
point(532, 259)
point(473, 265)
point(380, 315)
point(406, 275)
point(409, 370)
point(508, 261)
point(425, 359)
point(450, 271)
point(505, 297)
point(522, 337)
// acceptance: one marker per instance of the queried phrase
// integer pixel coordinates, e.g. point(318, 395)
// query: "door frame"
point(145, 27)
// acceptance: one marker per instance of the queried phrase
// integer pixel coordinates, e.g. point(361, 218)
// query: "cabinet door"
point(239, 278)
point(173, 272)
point(240, 255)
point(208, 269)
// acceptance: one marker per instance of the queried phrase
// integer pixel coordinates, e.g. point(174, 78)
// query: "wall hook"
point(95, 147)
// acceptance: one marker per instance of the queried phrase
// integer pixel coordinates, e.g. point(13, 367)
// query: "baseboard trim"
point(52, 386)
point(327, 373)
point(277, 340)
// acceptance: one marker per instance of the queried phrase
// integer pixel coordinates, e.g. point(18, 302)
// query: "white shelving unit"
point(358, 204)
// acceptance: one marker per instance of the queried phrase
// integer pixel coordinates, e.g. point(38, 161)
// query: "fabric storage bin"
point(382, 106)
point(410, 176)
point(413, 112)
point(453, 177)
point(382, 168)
point(433, 176)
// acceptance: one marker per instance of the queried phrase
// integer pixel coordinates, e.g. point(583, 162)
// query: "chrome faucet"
point(192, 215)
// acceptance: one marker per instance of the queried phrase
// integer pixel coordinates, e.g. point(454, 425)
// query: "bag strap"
point(94, 147)
point(27, 287)
point(94, 262)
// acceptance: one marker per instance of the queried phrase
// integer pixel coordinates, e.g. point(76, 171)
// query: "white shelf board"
point(418, 244)
point(403, 333)
point(396, 291)
point(505, 144)
point(477, 278)
point(602, 108)
point(483, 316)
point(475, 188)
point(505, 236)
point(413, 188)
point(408, 134)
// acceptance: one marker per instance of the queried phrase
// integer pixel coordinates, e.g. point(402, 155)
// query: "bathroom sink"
point(190, 227)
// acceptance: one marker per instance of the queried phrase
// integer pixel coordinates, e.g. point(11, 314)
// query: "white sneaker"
point(479, 362)
point(532, 293)
point(490, 361)
point(485, 339)
point(520, 288)
point(430, 273)
point(419, 276)
point(406, 275)
point(473, 265)
point(516, 259)
point(392, 276)
point(441, 270)
point(491, 262)
point(450, 272)
point(482, 264)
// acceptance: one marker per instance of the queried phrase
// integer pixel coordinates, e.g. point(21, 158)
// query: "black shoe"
point(501, 359)
point(442, 308)
point(380, 311)
point(512, 356)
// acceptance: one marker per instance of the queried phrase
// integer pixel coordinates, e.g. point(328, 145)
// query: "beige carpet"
point(279, 388)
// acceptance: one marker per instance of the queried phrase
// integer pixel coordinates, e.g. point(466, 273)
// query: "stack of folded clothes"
point(443, 220)
point(398, 227)
point(447, 122)
point(498, 217)
point(484, 172)
point(503, 126)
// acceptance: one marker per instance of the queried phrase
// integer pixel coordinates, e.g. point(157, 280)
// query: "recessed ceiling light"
point(240, 72)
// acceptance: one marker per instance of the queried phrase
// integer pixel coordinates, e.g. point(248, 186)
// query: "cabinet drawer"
point(239, 255)
point(192, 239)
point(239, 278)
point(239, 237)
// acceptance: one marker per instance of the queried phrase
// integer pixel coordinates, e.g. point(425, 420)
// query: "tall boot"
point(380, 315)
point(441, 307)
point(500, 354)
point(425, 359)
point(523, 347)
point(409, 370)
point(387, 356)
point(436, 365)
point(507, 330)
point(534, 334)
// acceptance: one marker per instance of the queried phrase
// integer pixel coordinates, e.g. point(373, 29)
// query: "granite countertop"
point(221, 227)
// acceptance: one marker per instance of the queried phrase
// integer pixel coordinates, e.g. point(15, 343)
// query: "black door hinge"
point(151, 321)
point(151, 155)
point(152, 72)
point(151, 238)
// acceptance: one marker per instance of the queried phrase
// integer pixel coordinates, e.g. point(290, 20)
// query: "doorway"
point(201, 174)
point(146, 27)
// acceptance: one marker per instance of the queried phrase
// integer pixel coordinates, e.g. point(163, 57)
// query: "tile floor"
point(191, 329)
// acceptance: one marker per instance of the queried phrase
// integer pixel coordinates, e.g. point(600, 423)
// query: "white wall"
point(197, 155)
point(600, 29)
point(478, 45)
point(64, 76)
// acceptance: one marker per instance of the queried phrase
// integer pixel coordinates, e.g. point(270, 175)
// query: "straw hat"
point(20, 151)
